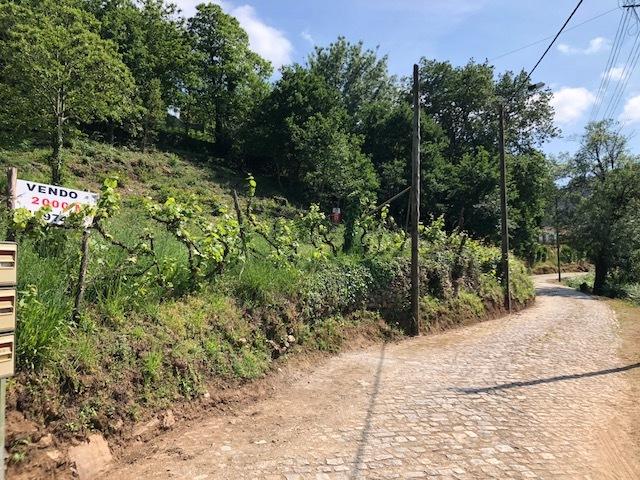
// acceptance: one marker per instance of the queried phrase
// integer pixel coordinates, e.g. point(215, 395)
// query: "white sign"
point(61, 200)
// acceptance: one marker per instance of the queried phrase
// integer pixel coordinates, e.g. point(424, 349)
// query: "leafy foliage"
point(57, 71)
point(601, 205)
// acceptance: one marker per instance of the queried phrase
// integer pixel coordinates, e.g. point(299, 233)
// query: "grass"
point(142, 345)
point(578, 280)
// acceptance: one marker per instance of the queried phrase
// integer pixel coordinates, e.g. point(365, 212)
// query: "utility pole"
point(503, 215)
point(558, 242)
point(415, 207)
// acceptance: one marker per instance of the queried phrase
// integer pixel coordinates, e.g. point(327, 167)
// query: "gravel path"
point(539, 394)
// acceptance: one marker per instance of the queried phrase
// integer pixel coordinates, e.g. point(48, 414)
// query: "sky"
point(285, 31)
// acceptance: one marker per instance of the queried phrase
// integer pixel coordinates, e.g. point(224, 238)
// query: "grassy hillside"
point(150, 335)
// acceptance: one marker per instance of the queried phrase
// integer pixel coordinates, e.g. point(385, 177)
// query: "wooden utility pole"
point(503, 216)
point(558, 242)
point(415, 207)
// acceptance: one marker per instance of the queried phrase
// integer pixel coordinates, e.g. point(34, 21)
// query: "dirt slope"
point(541, 394)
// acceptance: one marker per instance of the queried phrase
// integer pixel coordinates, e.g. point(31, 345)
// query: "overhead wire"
point(630, 66)
point(526, 79)
point(551, 36)
point(627, 69)
point(611, 63)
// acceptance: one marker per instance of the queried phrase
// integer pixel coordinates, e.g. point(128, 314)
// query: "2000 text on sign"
point(62, 201)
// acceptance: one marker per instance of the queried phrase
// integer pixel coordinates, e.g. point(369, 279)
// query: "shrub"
point(632, 292)
point(338, 287)
point(522, 289)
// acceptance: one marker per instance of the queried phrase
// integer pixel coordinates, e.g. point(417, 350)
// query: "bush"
point(184, 302)
point(632, 292)
point(335, 287)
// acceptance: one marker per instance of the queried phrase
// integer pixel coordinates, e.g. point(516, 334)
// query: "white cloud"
point(596, 45)
point(631, 111)
point(306, 36)
point(614, 73)
point(265, 40)
point(570, 103)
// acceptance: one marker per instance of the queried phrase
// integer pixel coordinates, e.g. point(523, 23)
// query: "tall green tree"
point(604, 195)
point(531, 187)
point(360, 75)
point(297, 96)
point(154, 44)
point(334, 169)
point(233, 76)
point(463, 101)
point(57, 72)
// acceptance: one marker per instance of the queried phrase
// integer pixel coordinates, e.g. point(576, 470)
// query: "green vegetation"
point(332, 131)
point(157, 327)
point(600, 208)
point(202, 273)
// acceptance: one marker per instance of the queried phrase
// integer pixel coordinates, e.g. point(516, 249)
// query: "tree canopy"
point(58, 71)
point(602, 201)
point(336, 127)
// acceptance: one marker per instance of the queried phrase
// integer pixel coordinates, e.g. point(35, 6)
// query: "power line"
point(554, 39)
point(618, 94)
point(551, 36)
point(611, 62)
point(528, 77)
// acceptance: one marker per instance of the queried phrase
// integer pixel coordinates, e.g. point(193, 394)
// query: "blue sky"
point(456, 30)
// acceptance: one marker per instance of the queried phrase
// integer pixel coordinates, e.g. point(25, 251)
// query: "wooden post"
point(243, 239)
point(82, 274)
point(415, 207)
point(12, 180)
point(503, 216)
point(558, 243)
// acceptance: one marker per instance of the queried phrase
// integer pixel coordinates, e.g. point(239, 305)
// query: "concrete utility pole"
point(503, 215)
point(415, 207)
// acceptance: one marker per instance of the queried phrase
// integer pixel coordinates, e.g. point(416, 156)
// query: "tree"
point(531, 187)
point(356, 73)
point(58, 72)
point(297, 96)
point(464, 102)
point(154, 111)
point(463, 183)
point(334, 169)
point(234, 77)
point(156, 48)
point(604, 191)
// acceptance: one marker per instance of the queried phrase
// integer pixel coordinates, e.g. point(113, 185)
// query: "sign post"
point(33, 196)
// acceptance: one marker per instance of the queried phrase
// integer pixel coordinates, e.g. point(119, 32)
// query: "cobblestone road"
point(540, 394)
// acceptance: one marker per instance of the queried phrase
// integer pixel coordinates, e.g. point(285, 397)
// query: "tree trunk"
point(56, 157)
point(602, 268)
point(145, 138)
point(82, 275)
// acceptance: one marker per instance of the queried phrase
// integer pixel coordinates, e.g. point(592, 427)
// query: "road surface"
point(540, 394)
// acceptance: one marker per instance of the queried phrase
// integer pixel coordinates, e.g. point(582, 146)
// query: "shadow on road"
point(540, 381)
point(366, 429)
point(562, 292)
